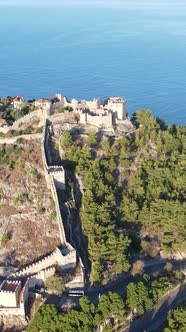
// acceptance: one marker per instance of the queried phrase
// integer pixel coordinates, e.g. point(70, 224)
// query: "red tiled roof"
point(18, 98)
point(2, 121)
point(9, 286)
point(42, 101)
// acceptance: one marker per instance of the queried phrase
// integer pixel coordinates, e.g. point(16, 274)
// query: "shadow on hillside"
point(151, 321)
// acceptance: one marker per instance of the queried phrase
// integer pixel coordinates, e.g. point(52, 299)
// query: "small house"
point(17, 101)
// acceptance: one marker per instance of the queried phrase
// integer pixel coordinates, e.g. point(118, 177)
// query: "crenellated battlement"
point(65, 259)
point(25, 118)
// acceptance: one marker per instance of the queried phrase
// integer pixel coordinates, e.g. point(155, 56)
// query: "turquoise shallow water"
point(95, 51)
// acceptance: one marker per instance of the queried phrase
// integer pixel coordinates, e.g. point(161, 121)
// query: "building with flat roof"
point(13, 297)
point(118, 106)
point(9, 293)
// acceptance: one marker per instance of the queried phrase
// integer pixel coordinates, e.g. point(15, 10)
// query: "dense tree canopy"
point(134, 192)
point(111, 310)
point(176, 320)
point(85, 319)
point(142, 295)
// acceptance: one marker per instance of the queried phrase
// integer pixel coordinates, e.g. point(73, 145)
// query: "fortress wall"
point(40, 277)
point(42, 264)
point(54, 178)
point(57, 173)
point(8, 298)
point(26, 118)
point(19, 311)
point(44, 268)
point(12, 140)
point(43, 154)
point(79, 279)
point(45, 274)
point(96, 120)
point(51, 180)
point(119, 107)
point(100, 120)
point(58, 212)
point(69, 261)
point(22, 120)
point(25, 294)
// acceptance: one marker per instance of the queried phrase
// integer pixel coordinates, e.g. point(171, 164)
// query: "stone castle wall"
point(10, 311)
point(14, 302)
point(117, 106)
point(55, 176)
point(40, 277)
point(79, 280)
point(58, 175)
point(12, 140)
point(58, 212)
point(44, 143)
point(65, 259)
point(36, 267)
point(97, 120)
point(22, 120)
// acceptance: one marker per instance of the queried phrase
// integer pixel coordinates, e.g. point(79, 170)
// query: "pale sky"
point(92, 2)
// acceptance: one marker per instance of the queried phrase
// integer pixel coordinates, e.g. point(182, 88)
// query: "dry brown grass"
point(31, 234)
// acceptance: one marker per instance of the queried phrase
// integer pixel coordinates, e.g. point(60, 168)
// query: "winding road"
point(119, 286)
point(153, 320)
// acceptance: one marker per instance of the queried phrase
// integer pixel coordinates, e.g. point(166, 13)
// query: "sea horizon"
point(139, 55)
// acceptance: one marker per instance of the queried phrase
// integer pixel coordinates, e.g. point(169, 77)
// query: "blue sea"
point(128, 49)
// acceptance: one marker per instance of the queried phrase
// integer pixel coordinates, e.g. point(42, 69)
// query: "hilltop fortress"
point(102, 114)
point(14, 291)
point(96, 112)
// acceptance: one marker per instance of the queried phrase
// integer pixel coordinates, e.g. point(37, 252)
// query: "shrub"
point(40, 208)
point(28, 130)
point(55, 284)
point(35, 173)
point(4, 239)
point(20, 140)
point(137, 268)
point(59, 110)
point(151, 248)
point(53, 215)
point(21, 198)
point(39, 130)
point(168, 267)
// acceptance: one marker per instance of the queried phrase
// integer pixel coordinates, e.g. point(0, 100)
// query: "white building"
point(17, 101)
point(117, 105)
point(13, 297)
point(42, 103)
